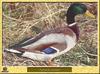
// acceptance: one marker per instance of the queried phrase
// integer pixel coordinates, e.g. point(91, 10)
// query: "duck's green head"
point(75, 9)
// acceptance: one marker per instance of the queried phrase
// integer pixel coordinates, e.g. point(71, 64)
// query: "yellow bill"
point(87, 13)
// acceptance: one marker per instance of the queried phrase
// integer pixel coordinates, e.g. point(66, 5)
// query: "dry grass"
point(23, 20)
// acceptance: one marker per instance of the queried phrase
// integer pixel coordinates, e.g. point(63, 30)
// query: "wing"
point(45, 39)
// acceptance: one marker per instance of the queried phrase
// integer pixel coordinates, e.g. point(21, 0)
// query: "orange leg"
point(50, 62)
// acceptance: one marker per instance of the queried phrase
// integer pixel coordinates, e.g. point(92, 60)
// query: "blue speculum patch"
point(49, 51)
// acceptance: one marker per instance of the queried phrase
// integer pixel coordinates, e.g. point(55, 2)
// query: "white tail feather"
point(31, 55)
point(37, 56)
point(11, 50)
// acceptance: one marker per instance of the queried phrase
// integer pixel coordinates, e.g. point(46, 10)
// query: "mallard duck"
point(52, 43)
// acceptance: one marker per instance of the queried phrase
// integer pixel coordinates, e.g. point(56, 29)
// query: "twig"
point(88, 21)
point(49, 11)
point(26, 61)
point(18, 20)
point(87, 52)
